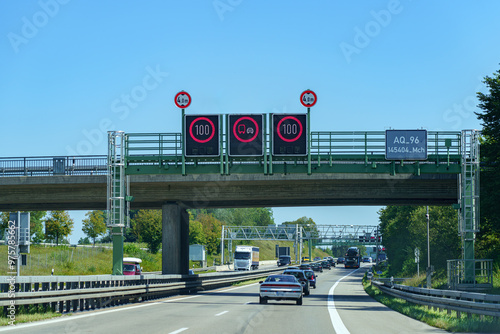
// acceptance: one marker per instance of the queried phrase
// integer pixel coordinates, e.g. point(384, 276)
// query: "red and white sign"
point(308, 98)
point(182, 100)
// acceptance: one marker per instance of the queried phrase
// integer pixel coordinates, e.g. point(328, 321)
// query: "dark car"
point(326, 265)
point(305, 266)
point(340, 260)
point(316, 267)
point(311, 277)
point(301, 277)
point(284, 260)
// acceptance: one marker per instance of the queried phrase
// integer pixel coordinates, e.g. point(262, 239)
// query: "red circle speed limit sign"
point(308, 98)
point(182, 99)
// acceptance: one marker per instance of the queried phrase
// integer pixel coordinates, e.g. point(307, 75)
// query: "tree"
point(58, 225)
point(212, 229)
point(95, 224)
point(36, 226)
point(404, 228)
point(488, 239)
point(148, 228)
point(396, 234)
point(196, 234)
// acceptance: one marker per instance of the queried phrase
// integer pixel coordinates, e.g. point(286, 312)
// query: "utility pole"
point(429, 270)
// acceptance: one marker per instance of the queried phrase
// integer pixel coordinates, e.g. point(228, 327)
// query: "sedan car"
point(280, 287)
point(301, 277)
point(340, 260)
point(311, 277)
point(326, 265)
point(316, 267)
point(305, 266)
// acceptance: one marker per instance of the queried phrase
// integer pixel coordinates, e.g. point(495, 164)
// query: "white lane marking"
point(223, 312)
point(337, 323)
point(75, 317)
point(179, 330)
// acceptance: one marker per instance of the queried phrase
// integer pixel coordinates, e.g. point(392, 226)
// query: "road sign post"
point(308, 99)
point(182, 100)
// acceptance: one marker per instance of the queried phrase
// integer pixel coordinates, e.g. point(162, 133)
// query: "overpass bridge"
point(151, 170)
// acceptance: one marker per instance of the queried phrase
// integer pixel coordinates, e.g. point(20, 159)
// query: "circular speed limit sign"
point(308, 98)
point(182, 99)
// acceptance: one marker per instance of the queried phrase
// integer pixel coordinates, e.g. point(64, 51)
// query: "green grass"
point(23, 317)
point(433, 317)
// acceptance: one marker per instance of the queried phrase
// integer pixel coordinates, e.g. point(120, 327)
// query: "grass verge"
point(433, 317)
point(30, 317)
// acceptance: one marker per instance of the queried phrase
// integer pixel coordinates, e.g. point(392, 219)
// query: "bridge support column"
point(175, 239)
point(117, 234)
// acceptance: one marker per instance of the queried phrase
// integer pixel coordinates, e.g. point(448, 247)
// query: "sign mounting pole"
point(308, 99)
point(182, 100)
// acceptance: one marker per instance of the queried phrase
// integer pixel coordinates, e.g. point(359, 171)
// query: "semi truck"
point(352, 258)
point(246, 258)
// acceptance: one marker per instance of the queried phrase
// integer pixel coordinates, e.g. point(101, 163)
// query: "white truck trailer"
point(246, 258)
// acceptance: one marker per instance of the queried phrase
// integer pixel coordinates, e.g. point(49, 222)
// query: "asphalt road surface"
point(338, 305)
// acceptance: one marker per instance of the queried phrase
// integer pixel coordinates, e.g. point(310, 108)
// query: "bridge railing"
point(165, 149)
point(60, 165)
point(370, 143)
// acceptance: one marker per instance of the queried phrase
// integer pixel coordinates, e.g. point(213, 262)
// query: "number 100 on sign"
point(201, 136)
point(290, 134)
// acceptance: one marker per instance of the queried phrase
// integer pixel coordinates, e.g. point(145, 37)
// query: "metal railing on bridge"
point(61, 165)
point(161, 153)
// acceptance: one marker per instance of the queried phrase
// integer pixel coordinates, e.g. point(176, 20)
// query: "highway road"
point(338, 305)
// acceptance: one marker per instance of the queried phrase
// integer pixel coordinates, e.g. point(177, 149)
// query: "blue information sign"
point(406, 144)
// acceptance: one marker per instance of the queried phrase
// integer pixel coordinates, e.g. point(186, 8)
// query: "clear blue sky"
point(71, 70)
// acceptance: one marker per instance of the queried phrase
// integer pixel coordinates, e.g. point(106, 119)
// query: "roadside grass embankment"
point(434, 317)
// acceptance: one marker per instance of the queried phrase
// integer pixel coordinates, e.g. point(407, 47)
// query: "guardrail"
point(459, 301)
point(72, 293)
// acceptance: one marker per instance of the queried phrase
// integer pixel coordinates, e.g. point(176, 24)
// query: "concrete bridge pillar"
point(175, 239)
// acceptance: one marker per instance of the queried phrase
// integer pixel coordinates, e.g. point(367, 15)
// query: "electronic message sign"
point(289, 134)
point(201, 136)
point(245, 135)
point(406, 144)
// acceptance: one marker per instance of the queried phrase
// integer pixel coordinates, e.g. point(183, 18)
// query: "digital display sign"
point(289, 134)
point(245, 135)
point(406, 144)
point(201, 136)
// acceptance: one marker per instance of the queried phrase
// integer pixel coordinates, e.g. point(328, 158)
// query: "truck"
point(352, 258)
point(246, 258)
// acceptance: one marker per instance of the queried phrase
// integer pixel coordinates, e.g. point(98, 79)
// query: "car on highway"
point(316, 267)
point(367, 259)
point(340, 260)
point(305, 266)
point(326, 265)
point(317, 258)
point(306, 259)
point(301, 277)
point(312, 278)
point(284, 260)
point(280, 287)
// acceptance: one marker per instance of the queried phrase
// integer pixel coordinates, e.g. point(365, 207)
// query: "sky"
point(73, 70)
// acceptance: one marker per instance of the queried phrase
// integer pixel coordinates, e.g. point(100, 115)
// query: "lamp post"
point(428, 252)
